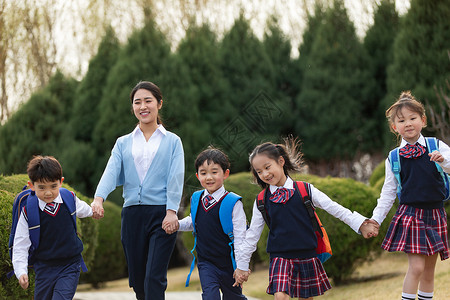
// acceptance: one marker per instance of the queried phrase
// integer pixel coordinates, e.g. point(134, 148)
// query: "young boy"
point(57, 259)
point(215, 265)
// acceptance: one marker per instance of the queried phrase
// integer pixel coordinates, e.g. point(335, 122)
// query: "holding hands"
point(240, 277)
point(170, 223)
point(369, 228)
point(97, 208)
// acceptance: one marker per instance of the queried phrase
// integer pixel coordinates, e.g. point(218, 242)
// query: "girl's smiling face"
point(269, 170)
point(409, 124)
point(146, 107)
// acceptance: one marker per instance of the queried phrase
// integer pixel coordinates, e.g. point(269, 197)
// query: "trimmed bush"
point(377, 174)
point(109, 263)
point(10, 186)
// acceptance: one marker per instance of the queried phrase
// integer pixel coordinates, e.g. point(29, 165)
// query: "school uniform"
point(214, 261)
point(294, 267)
point(152, 175)
point(57, 260)
point(420, 223)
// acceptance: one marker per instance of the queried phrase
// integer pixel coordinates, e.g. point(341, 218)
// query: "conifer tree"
point(334, 90)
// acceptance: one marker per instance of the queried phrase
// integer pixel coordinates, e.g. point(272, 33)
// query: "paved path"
point(130, 296)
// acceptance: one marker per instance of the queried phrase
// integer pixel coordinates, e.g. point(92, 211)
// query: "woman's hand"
point(97, 208)
point(170, 223)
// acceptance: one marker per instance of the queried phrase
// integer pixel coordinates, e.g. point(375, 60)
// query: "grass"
point(380, 279)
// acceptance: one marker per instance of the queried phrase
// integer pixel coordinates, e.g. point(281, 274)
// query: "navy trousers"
point(147, 248)
point(56, 282)
point(214, 279)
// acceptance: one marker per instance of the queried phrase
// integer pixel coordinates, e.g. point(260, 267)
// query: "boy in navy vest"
point(57, 258)
point(217, 257)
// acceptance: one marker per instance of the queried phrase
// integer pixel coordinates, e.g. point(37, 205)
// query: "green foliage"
point(9, 187)
point(109, 262)
point(420, 53)
point(38, 126)
point(377, 173)
point(335, 91)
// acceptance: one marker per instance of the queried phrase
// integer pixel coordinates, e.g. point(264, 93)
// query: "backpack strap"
point(195, 199)
point(305, 192)
point(226, 219)
point(34, 221)
point(260, 202)
point(68, 198)
point(432, 145)
point(394, 160)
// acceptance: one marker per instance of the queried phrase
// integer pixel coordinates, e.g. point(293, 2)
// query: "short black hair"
point(44, 169)
point(212, 155)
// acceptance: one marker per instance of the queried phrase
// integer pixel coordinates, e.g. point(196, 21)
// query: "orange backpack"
point(323, 249)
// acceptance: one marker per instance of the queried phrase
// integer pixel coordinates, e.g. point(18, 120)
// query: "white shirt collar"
point(217, 195)
point(42, 203)
point(421, 141)
point(160, 128)
point(289, 184)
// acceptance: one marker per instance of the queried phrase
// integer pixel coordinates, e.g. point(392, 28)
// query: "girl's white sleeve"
point(21, 244)
point(321, 200)
point(387, 196)
point(251, 237)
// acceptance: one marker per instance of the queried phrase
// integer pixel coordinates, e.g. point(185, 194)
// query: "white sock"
point(406, 296)
point(425, 295)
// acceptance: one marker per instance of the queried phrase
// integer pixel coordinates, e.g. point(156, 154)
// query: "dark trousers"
point(56, 282)
point(214, 279)
point(147, 249)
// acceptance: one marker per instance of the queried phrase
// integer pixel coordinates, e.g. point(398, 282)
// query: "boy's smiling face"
point(46, 191)
point(211, 176)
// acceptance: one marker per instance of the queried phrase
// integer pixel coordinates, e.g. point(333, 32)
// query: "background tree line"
point(237, 90)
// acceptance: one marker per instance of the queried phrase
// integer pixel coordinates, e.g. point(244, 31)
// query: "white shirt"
point(144, 151)
point(319, 199)
point(239, 224)
point(389, 190)
point(22, 240)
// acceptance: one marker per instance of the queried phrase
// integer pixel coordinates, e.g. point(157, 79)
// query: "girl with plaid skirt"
point(419, 227)
point(295, 271)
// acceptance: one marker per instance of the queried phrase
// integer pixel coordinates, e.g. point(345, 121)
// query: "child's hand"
point(369, 228)
point(436, 156)
point(23, 281)
point(240, 277)
point(170, 223)
point(97, 208)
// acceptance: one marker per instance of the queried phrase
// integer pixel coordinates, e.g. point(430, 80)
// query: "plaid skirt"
point(419, 231)
point(299, 278)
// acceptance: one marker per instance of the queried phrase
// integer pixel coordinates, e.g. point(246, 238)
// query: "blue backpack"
point(27, 198)
point(225, 216)
point(394, 159)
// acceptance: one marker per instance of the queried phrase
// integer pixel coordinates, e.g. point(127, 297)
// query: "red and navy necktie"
point(51, 208)
point(281, 195)
point(412, 151)
point(207, 202)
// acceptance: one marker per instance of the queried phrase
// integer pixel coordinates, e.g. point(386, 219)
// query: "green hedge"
point(377, 174)
point(9, 187)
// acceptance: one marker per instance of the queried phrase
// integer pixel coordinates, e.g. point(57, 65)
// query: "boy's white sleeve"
point(21, 246)
point(186, 224)
point(83, 209)
point(387, 196)
point(321, 200)
point(239, 227)
point(251, 238)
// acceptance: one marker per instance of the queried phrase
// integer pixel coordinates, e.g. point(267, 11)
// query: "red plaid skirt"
point(299, 278)
point(420, 231)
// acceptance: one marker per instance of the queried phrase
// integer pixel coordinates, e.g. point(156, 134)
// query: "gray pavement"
point(130, 296)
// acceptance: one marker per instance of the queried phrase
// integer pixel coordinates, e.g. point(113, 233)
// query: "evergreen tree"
point(248, 71)
point(421, 52)
point(334, 90)
point(79, 154)
point(378, 43)
point(38, 127)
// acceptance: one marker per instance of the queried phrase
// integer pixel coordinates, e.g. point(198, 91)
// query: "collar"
point(289, 184)
point(420, 140)
point(217, 195)
point(42, 204)
point(160, 128)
